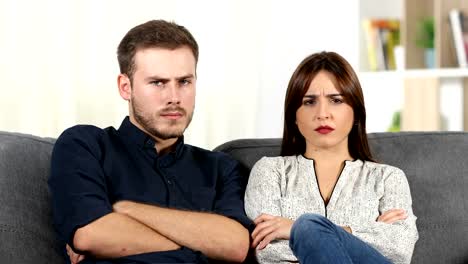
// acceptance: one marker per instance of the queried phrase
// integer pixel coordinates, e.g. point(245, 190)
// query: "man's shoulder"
point(88, 137)
point(84, 133)
point(210, 155)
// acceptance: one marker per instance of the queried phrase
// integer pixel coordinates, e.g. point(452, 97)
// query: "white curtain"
point(58, 63)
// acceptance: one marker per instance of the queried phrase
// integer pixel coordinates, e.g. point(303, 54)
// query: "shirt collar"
point(133, 134)
point(352, 163)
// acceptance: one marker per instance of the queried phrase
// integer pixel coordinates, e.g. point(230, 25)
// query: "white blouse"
point(287, 187)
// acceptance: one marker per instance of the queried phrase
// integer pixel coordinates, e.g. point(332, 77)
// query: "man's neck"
point(164, 146)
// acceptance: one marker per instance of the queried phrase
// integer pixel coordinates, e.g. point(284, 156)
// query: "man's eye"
point(157, 83)
point(185, 82)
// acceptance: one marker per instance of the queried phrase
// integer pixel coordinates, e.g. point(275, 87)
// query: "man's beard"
point(150, 124)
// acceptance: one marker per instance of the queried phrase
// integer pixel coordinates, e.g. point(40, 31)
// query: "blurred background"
point(58, 64)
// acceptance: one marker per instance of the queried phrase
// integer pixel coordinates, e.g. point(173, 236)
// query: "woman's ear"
point(125, 86)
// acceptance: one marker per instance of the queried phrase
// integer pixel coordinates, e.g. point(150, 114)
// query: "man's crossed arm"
point(135, 228)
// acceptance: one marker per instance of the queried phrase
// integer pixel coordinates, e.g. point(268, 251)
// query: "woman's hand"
point(392, 215)
point(268, 228)
point(74, 257)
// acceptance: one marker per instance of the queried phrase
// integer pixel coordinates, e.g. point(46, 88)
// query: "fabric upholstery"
point(436, 165)
point(26, 233)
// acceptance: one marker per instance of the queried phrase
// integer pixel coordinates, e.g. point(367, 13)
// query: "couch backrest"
point(26, 233)
point(436, 165)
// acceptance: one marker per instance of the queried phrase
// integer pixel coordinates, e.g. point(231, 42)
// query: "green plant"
point(396, 122)
point(425, 33)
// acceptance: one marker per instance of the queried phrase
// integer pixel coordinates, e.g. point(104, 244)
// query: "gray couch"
point(435, 163)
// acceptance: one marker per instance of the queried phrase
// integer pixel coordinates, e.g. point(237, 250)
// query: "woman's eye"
point(308, 102)
point(337, 100)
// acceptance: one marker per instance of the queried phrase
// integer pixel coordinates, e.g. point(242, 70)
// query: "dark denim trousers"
point(315, 239)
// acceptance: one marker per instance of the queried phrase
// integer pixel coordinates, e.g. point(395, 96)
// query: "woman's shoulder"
point(278, 163)
point(382, 169)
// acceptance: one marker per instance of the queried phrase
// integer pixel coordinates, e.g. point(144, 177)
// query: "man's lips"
point(172, 115)
point(324, 129)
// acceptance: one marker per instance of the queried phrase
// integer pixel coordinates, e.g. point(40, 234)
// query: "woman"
point(325, 200)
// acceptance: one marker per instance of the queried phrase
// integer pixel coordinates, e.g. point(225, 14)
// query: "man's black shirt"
point(93, 168)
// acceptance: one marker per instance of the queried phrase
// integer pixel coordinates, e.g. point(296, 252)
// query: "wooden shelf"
point(418, 73)
point(424, 89)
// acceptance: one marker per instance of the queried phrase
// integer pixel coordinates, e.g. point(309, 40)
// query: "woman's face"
point(324, 119)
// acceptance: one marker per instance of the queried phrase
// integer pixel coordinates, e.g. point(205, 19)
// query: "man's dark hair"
point(153, 34)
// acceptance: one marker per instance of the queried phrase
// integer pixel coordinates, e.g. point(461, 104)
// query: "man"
point(138, 194)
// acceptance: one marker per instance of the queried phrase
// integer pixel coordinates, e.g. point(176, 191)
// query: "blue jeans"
point(315, 239)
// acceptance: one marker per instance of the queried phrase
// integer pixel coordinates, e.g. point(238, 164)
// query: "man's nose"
point(173, 94)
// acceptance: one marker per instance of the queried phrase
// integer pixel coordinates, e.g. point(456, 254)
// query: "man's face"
point(163, 91)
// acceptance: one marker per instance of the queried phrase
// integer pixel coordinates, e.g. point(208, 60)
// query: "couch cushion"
point(436, 166)
point(26, 232)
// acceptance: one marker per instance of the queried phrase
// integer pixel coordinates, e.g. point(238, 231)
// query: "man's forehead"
point(182, 51)
point(165, 63)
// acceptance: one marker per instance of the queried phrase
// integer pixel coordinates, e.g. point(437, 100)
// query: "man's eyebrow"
point(188, 76)
point(155, 77)
point(163, 79)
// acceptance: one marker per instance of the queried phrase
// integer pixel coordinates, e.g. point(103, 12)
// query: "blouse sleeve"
point(263, 195)
point(395, 241)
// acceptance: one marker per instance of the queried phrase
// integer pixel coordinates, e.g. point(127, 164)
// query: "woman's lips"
point(324, 129)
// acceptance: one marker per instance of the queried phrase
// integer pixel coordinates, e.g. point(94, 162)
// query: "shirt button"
point(169, 182)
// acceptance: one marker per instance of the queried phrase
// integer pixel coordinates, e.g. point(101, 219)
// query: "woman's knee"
point(308, 226)
point(310, 221)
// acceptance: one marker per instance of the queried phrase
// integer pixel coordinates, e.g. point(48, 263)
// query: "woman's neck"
point(327, 155)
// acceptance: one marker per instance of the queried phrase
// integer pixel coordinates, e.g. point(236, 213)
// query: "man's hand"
point(392, 215)
point(216, 236)
point(122, 207)
point(268, 228)
point(74, 257)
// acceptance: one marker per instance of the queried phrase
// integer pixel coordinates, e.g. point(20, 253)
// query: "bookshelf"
point(425, 105)
point(421, 73)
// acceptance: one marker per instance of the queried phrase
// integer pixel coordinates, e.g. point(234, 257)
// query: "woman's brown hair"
point(347, 83)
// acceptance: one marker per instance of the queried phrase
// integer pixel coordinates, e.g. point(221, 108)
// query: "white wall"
point(292, 33)
point(58, 62)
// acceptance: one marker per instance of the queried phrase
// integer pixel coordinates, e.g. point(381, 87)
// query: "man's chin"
point(168, 134)
point(169, 130)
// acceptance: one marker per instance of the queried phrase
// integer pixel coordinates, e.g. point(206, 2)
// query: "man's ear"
point(125, 86)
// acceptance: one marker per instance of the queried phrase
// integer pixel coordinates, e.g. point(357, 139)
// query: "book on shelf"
point(381, 36)
point(459, 25)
